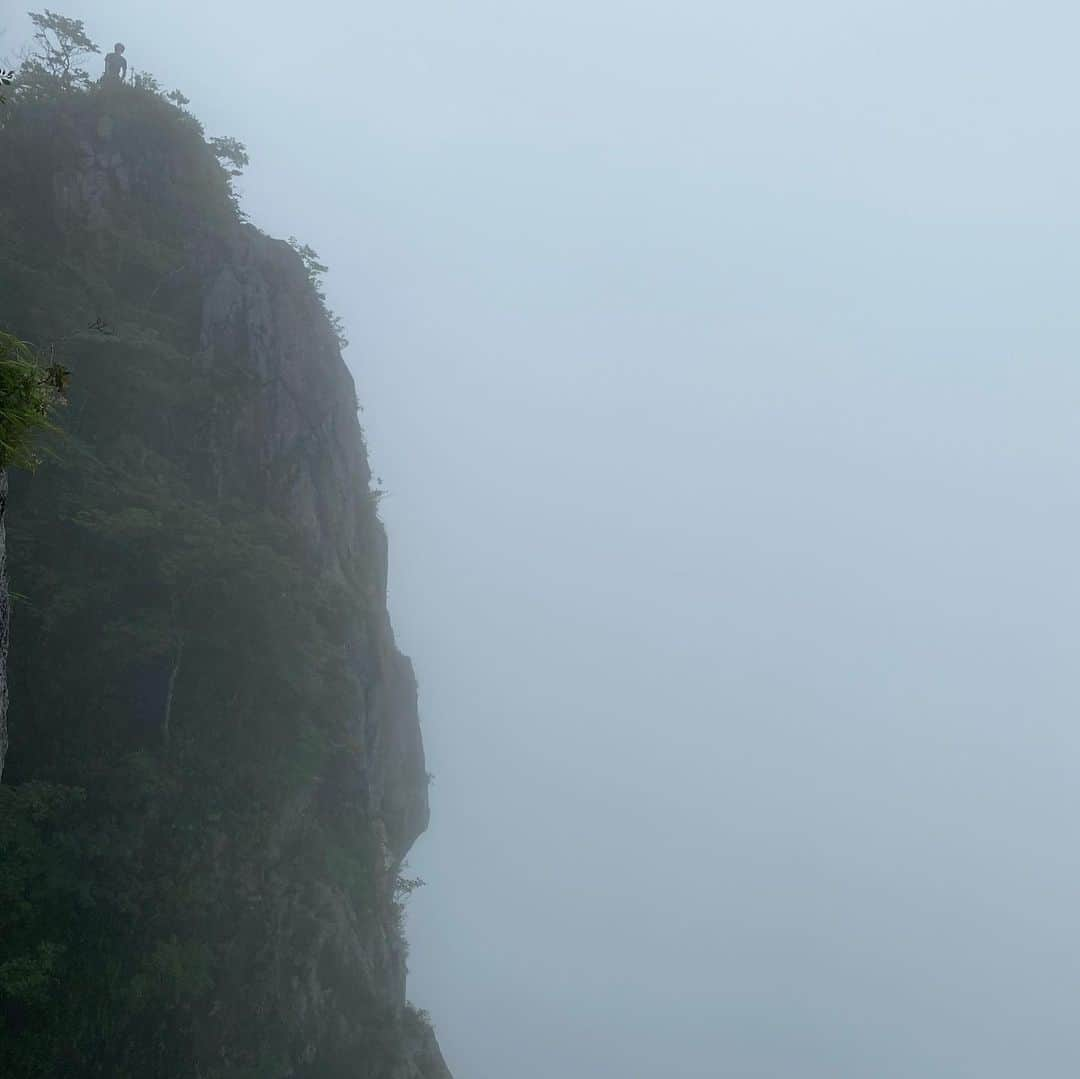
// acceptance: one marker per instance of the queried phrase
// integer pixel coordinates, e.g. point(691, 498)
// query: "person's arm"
point(123, 67)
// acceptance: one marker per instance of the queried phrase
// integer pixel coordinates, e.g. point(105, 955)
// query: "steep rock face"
point(243, 404)
point(5, 617)
point(300, 438)
point(424, 1058)
point(294, 445)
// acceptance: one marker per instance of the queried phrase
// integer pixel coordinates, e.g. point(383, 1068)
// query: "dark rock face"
point(289, 444)
point(301, 439)
point(5, 621)
point(425, 1059)
point(296, 445)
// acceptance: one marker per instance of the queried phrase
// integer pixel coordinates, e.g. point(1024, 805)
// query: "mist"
point(719, 365)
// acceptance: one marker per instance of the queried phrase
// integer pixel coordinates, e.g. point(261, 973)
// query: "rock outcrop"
point(215, 404)
point(5, 622)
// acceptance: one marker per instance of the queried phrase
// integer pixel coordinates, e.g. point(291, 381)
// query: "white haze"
point(721, 362)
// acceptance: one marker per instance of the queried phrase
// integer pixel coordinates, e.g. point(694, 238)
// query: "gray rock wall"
point(5, 621)
point(300, 437)
point(295, 443)
point(292, 443)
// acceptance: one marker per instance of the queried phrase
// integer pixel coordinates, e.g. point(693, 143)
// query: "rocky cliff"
point(216, 765)
point(4, 623)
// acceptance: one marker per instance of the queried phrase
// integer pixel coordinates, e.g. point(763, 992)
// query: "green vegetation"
point(29, 391)
point(191, 881)
point(315, 271)
point(62, 44)
point(226, 148)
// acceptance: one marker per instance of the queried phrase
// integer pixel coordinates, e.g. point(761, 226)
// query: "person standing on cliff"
point(115, 65)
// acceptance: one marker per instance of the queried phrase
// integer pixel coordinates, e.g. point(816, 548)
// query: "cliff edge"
point(5, 622)
point(216, 767)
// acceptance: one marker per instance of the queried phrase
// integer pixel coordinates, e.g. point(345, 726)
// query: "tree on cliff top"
point(227, 148)
point(315, 270)
point(61, 44)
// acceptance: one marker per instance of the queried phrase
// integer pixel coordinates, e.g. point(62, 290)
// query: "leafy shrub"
point(29, 391)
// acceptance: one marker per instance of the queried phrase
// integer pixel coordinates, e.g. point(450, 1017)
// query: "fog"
point(720, 363)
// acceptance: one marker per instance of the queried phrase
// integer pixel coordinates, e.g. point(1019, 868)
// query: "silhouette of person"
point(115, 65)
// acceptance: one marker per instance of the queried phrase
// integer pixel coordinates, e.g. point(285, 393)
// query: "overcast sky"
point(721, 362)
